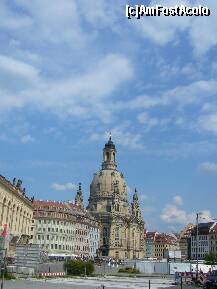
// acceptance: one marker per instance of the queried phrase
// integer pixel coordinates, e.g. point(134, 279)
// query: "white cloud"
point(96, 12)
point(208, 167)
point(205, 216)
point(208, 122)
point(144, 118)
point(173, 214)
point(163, 30)
point(18, 68)
point(151, 122)
point(54, 22)
point(178, 200)
point(202, 31)
point(64, 187)
point(122, 135)
point(27, 139)
point(182, 95)
point(11, 20)
point(84, 96)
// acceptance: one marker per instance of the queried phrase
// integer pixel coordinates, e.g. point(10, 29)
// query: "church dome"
point(106, 182)
point(121, 224)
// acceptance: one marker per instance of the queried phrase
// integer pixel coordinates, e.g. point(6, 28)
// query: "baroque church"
point(122, 224)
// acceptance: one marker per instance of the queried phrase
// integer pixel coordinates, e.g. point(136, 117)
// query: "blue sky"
point(72, 71)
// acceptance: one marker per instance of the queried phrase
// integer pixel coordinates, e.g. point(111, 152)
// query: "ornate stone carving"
point(108, 192)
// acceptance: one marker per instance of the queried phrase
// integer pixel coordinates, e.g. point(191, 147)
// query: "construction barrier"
point(48, 274)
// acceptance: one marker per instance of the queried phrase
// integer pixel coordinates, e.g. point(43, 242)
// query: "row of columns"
point(16, 219)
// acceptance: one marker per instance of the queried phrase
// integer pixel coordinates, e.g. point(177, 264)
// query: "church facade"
point(122, 225)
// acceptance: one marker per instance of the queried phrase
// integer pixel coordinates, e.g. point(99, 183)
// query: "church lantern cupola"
point(109, 156)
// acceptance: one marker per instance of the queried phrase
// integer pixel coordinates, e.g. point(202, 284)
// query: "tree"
point(211, 259)
point(78, 267)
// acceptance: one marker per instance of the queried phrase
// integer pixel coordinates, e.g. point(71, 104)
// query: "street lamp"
point(197, 244)
point(197, 241)
point(3, 265)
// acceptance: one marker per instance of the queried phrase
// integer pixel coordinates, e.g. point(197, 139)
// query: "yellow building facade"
point(16, 210)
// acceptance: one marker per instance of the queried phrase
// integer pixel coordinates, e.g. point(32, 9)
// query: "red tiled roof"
point(165, 238)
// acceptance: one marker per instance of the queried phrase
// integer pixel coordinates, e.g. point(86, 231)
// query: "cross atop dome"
point(110, 143)
point(110, 136)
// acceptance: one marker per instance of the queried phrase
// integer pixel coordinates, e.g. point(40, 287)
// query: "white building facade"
point(53, 228)
point(203, 247)
point(65, 229)
point(94, 237)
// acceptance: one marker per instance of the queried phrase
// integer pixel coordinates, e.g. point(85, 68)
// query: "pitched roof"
point(44, 204)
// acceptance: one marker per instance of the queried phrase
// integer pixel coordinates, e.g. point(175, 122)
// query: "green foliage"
point(210, 259)
point(129, 270)
point(8, 276)
point(78, 267)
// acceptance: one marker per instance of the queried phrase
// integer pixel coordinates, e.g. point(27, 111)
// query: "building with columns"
point(16, 210)
point(121, 223)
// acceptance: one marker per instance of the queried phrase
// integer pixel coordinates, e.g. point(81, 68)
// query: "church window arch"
point(117, 233)
point(107, 156)
point(117, 207)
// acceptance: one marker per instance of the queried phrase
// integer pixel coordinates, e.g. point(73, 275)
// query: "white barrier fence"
point(53, 274)
point(150, 267)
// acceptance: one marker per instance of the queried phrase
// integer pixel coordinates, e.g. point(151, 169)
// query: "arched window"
point(114, 157)
point(117, 231)
point(105, 232)
point(107, 156)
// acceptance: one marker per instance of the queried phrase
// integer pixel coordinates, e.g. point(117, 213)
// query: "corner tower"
point(79, 197)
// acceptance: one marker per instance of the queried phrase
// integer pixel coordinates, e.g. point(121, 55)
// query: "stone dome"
point(106, 182)
point(121, 224)
point(108, 185)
